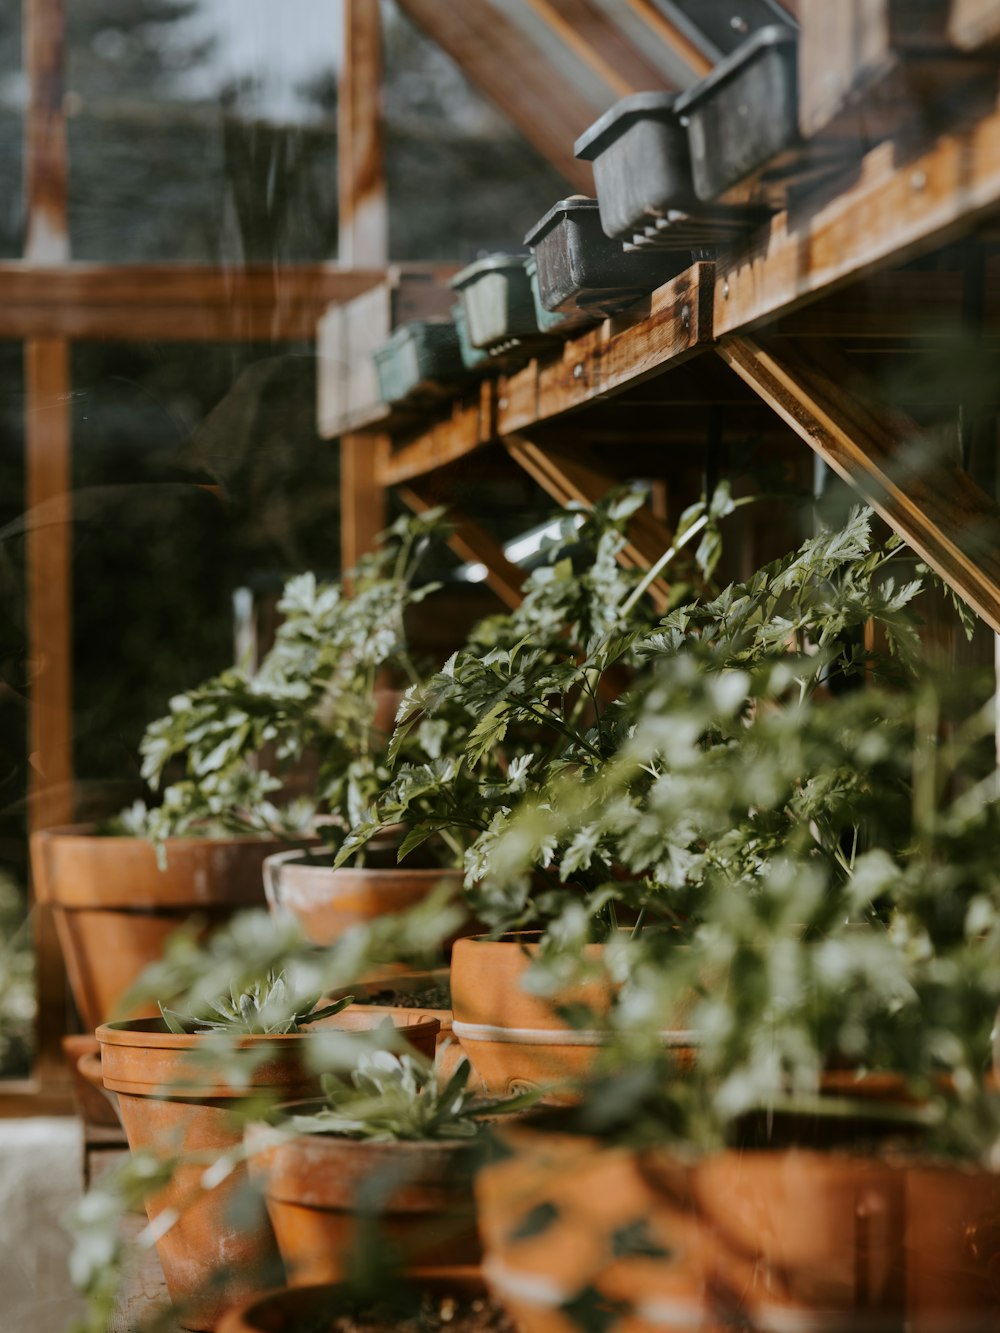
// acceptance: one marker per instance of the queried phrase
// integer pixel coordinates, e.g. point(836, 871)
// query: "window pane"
point(202, 130)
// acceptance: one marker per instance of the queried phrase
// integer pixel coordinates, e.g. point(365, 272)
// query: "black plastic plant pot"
point(496, 295)
point(642, 165)
point(474, 359)
point(745, 114)
point(579, 268)
point(420, 360)
point(555, 322)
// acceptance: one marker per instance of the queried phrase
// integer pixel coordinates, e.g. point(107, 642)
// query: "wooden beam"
point(470, 541)
point(601, 44)
point(676, 38)
point(935, 506)
point(50, 716)
point(172, 302)
point(363, 510)
point(514, 74)
point(363, 210)
point(893, 210)
point(576, 479)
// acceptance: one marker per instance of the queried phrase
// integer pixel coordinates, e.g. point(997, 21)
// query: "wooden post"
point(364, 218)
point(48, 486)
point(364, 239)
point(362, 499)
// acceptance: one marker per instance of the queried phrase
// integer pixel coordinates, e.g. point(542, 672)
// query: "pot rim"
point(140, 1032)
point(309, 866)
point(655, 106)
point(88, 833)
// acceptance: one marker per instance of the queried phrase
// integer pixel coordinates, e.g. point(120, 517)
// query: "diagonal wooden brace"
point(577, 479)
point(932, 503)
point(470, 541)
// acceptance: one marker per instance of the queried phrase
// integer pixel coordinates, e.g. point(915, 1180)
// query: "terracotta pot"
point(312, 1309)
point(807, 1240)
point(565, 1215)
point(171, 1105)
point(327, 902)
point(449, 1052)
point(313, 1184)
point(804, 1239)
point(952, 1250)
point(94, 1104)
point(114, 908)
point(516, 1041)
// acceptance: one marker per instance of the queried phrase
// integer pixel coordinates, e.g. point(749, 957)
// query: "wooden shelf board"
point(672, 324)
point(898, 205)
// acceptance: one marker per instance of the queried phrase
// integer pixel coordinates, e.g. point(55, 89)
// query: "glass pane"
point(202, 130)
point(12, 89)
point(17, 996)
point(197, 471)
point(461, 180)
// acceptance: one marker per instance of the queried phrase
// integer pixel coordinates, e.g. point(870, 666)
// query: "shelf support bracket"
point(930, 501)
point(576, 480)
point(470, 542)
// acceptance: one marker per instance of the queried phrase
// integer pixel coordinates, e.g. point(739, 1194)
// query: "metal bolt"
point(725, 290)
point(739, 24)
point(579, 371)
point(919, 180)
point(686, 316)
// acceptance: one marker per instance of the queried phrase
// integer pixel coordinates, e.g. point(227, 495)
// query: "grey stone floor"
point(40, 1177)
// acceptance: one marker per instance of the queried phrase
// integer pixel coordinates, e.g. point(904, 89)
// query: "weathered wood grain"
point(602, 45)
point(926, 497)
point(515, 75)
point(898, 206)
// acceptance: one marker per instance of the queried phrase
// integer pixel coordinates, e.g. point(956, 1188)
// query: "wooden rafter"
point(674, 36)
point(949, 520)
point(172, 302)
point(470, 541)
point(514, 74)
point(602, 45)
point(576, 479)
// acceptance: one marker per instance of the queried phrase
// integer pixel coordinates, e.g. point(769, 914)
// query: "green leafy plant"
point(537, 685)
point(265, 1008)
point(390, 1097)
point(314, 694)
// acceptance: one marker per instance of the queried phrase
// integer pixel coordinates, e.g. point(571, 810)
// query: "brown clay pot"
point(312, 1184)
point(449, 1053)
point(114, 908)
point(171, 1105)
point(311, 1309)
point(813, 1240)
point(515, 1041)
point(327, 902)
point(952, 1250)
point(555, 1218)
point(94, 1104)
